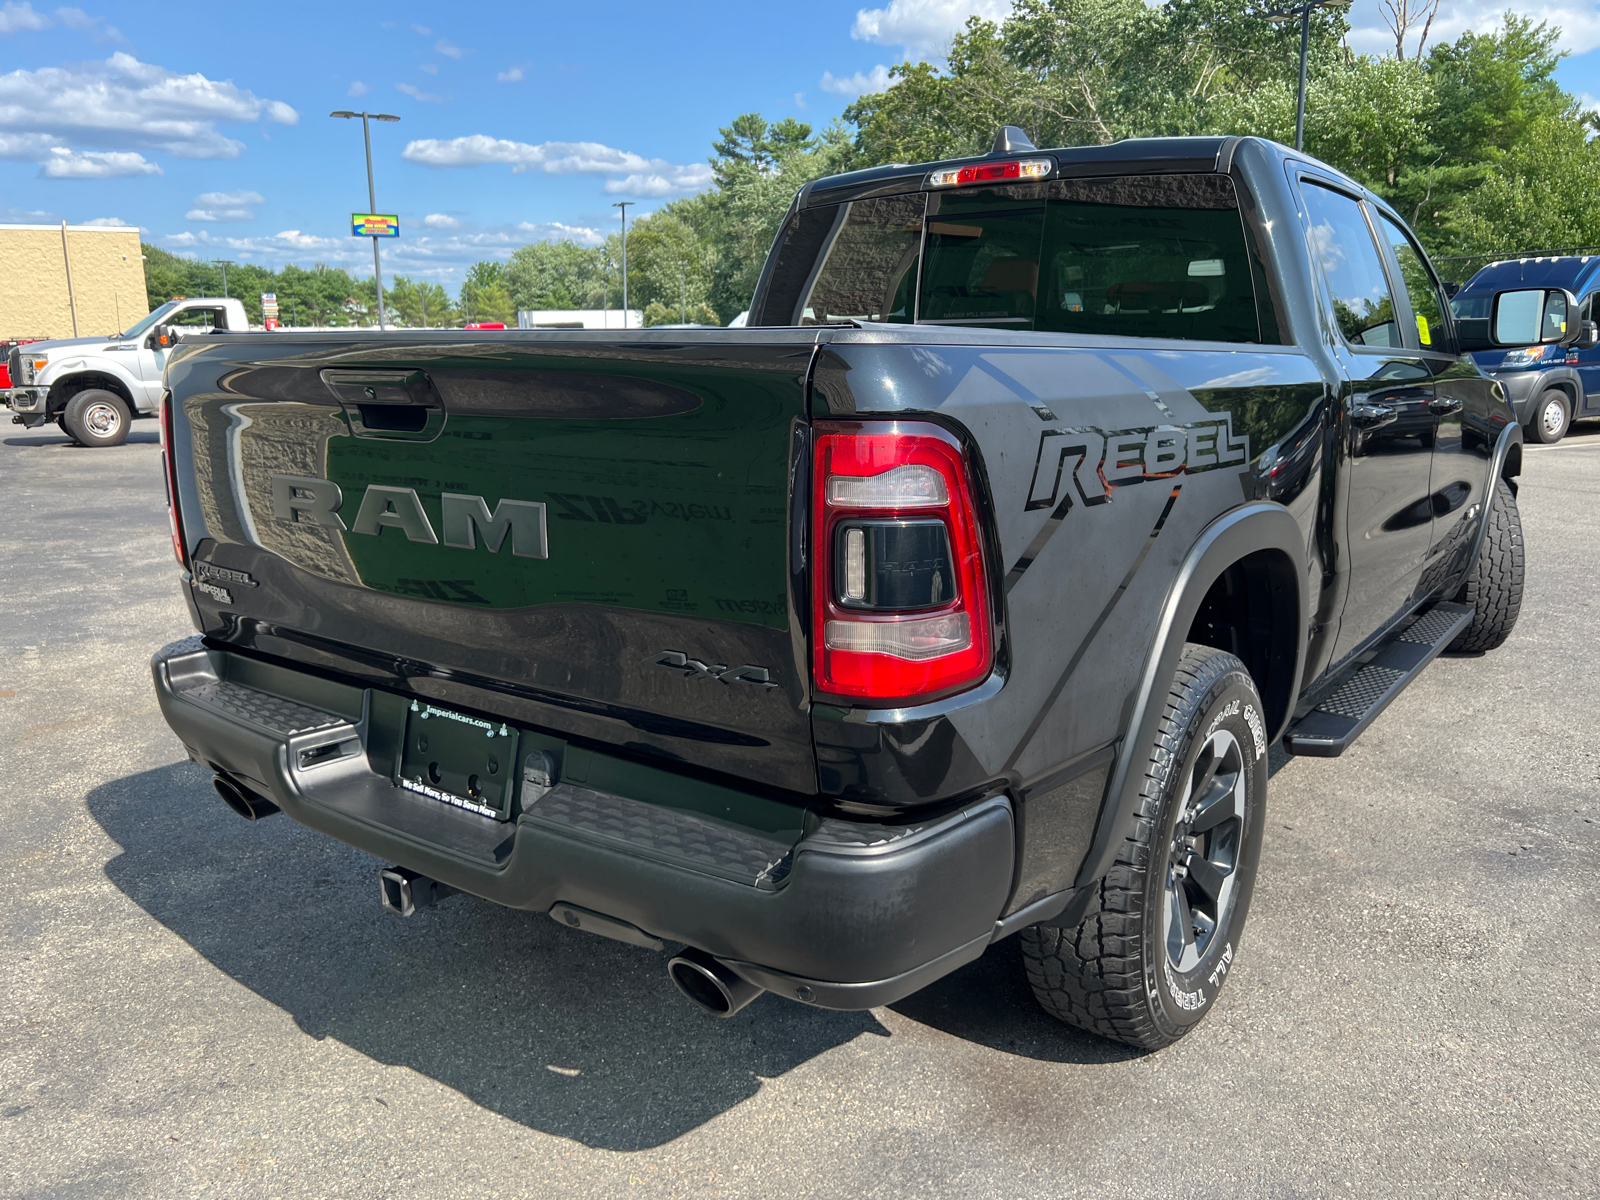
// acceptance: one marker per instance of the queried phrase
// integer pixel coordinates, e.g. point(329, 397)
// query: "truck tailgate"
point(592, 536)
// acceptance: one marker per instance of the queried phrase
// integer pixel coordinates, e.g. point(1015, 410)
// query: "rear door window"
point(1342, 244)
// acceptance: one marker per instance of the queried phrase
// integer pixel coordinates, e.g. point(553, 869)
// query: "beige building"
point(61, 281)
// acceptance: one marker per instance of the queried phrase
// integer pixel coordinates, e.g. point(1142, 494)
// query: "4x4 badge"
point(693, 668)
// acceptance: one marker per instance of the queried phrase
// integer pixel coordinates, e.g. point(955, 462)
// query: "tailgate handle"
point(393, 405)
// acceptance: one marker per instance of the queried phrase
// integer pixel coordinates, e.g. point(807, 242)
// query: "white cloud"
point(555, 231)
point(123, 104)
point(428, 69)
point(227, 198)
point(225, 206)
point(15, 18)
point(358, 89)
point(25, 147)
point(800, 100)
point(27, 216)
point(422, 29)
point(96, 164)
point(512, 76)
point(675, 181)
point(856, 85)
point(923, 27)
point(443, 255)
point(635, 173)
point(441, 221)
point(94, 28)
point(19, 18)
point(1579, 23)
point(416, 93)
point(444, 47)
point(107, 223)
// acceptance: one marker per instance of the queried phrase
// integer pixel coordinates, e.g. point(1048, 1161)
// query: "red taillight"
point(991, 172)
point(900, 599)
point(169, 471)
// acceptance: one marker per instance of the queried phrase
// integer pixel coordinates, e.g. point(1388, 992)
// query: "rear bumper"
point(859, 915)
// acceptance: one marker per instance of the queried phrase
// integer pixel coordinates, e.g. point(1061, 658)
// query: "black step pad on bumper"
point(665, 834)
point(1328, 729)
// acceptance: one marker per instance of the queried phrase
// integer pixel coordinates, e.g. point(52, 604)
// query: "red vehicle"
point(485, 325)
point(6, 347)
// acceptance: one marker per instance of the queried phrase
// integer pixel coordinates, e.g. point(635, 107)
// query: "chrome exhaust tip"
point(711, 985)
point(242, 800)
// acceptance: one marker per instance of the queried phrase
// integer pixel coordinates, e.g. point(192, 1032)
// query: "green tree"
point(555, 275)
point(656, 313)
point(669, 265)
point(320, 295)
point(418, 304)
point(757, 168)
point(1426, 133)
point(1541, 195)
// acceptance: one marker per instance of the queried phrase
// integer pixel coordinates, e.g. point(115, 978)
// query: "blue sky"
point(207, 126)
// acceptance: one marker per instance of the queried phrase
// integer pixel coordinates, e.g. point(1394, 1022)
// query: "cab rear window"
point(1138, 256)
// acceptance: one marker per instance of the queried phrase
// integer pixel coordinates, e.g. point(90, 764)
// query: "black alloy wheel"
point(1149, 956)
point(1203, 853)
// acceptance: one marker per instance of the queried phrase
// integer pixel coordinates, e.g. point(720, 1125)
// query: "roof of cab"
point(1154, 155)
point(1571, 271)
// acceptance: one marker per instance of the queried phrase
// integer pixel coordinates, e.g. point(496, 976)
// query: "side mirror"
point(1589, 338)
point(1525, 317)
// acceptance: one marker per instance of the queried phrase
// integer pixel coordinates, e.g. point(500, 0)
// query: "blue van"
point(1549, 386)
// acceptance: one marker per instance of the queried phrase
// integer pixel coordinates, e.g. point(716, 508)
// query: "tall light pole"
point(1303, 10)
point(623, 205)
point(683, 293)
point(224, 264)
point(372, 194)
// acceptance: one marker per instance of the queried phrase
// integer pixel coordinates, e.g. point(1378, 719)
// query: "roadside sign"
point(269, 307)
point(374, 225)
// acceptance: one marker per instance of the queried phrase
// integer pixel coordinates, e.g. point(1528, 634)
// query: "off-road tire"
point(96, 417)
point(1112, 974)
point(61, 424)
point(1494, 588)
point(1551, 418)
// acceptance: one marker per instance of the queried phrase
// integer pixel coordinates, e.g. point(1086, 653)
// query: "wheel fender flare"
point(1505, 463)
point(1254, 527)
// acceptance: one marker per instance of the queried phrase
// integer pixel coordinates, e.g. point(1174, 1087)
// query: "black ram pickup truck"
point(960, 595)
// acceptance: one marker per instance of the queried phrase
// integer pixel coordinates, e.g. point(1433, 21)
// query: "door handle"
point(1443, 406)
point(1371, 416)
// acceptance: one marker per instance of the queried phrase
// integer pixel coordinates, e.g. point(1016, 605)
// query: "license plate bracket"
point(468, 762)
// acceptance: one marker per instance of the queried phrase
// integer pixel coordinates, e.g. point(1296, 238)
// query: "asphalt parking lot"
point(191, 1005)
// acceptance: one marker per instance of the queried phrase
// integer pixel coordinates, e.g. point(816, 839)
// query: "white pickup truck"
point(94, 387)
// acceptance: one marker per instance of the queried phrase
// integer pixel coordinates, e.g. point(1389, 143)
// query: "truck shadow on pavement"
point(559, 1030)
point(137, 437)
